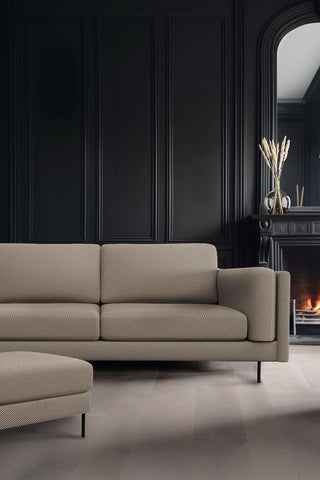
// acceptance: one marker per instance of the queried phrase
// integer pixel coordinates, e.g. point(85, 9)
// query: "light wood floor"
point(182, 421)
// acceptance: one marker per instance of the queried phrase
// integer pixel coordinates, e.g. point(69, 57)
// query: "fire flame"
point(313, 306)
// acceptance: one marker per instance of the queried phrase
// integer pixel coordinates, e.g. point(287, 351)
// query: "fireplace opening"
point(303, 263)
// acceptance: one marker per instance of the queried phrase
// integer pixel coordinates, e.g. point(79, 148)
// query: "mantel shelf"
point(290, 229)
point(287, 216)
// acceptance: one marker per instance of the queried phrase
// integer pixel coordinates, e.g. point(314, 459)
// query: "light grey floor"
point(304, 339)
point(182, 421)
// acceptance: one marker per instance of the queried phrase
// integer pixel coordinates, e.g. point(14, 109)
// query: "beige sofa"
point(140, 302)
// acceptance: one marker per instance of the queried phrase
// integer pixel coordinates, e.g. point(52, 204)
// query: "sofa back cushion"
point(167, 273)
point(49, 273)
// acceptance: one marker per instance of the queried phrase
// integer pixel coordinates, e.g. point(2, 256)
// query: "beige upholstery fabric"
point(283, 314)
point(49, 321)
point(26, 376)
point(136, 321)
point(49, 273)
point(36, 411)
point(253, 292)
point(166, 273)
point(184, 351)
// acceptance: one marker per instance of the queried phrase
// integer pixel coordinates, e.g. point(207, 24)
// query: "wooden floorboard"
point(174, 421)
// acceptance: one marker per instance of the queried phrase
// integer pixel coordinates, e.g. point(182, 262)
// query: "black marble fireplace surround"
point(292, 242)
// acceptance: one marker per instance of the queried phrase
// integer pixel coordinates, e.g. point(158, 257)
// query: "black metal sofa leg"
point(83, 425)
point(259, 372)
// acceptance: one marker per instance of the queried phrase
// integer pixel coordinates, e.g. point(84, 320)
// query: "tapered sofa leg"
point(83, 425)
point(259, 372)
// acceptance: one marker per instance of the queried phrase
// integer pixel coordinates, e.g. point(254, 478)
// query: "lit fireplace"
point(303, 263)
point(309, 313)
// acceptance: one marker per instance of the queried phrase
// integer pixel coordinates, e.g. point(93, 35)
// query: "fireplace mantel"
point(291, 229)
point(292, 242)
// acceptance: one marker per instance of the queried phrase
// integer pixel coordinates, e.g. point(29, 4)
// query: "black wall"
point(134, 122)
point(4, 124)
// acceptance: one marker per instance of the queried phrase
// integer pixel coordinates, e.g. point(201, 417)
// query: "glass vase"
point(277, 202)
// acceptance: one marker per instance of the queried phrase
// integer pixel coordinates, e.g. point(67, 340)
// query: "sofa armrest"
point(253, 292)
point(283, 315)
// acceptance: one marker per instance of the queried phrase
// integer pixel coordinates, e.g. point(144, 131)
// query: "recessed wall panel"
point(197, 117)
point(55, 129)
point(126, 103)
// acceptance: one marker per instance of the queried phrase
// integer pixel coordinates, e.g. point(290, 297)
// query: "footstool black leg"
point(83, 425)
point(259, 372)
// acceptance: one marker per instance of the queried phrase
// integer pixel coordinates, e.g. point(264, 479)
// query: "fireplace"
point(303, 263)
point(292, 242)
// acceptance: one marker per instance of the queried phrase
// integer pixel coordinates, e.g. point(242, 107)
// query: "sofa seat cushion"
point(49, 321)
point(145, 321)
point(27, 376)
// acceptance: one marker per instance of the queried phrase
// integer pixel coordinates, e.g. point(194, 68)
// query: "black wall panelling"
point(156, 141)
point(48, 156)
point(127, 129)
point(56, 133)
point(123, 122)
point(4, 122)
point(197, 156)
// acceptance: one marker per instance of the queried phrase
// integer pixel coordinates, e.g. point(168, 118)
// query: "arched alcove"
point(276, 29)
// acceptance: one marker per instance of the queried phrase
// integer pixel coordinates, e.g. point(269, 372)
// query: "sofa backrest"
point(166, 273)
point(49, 273)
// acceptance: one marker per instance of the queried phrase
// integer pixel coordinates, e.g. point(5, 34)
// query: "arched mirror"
point(298, 107)
point(291, 35)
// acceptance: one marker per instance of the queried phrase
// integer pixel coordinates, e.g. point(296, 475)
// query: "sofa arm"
point(253, 292)
point(283, 315)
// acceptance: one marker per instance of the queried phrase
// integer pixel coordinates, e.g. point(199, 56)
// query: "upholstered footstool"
point(36, 387)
